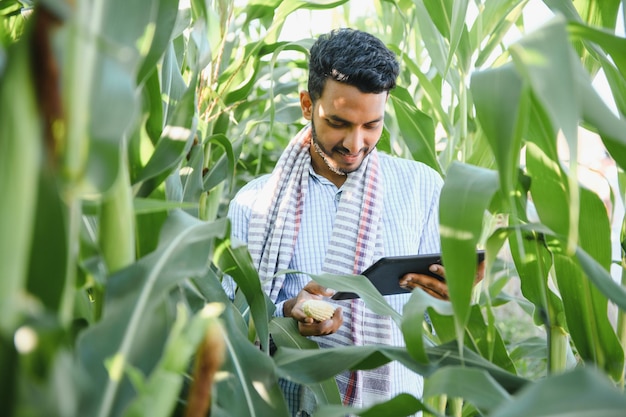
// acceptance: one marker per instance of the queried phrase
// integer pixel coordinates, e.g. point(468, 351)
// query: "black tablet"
point(386, 272)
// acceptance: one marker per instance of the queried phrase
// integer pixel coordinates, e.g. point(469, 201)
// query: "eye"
point(372, 126)
point(334, 123)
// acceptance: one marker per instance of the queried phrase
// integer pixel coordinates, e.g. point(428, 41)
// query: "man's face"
point(347, 125)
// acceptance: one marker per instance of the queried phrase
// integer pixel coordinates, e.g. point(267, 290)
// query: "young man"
point(333, 204)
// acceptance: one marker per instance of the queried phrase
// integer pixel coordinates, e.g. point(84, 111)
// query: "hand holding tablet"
point(386, 273)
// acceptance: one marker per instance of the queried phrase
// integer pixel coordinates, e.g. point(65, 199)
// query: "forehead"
point(349, 103)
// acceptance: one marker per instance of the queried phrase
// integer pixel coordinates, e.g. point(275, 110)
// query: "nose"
point(354, 141)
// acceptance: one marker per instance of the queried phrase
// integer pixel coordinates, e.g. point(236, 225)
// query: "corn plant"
point(126, 127)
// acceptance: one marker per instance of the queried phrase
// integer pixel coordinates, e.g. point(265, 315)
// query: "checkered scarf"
point(355, 243)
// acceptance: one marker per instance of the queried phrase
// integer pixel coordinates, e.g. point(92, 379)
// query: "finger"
point(427, 281)
point(434, 293)
point(438, 269)
point(333, 324)
point(313, 287)
point(326, 327)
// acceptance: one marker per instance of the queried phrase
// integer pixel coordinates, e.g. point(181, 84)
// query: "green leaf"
point(429, 87)
point(131, 316)
point(249, 386)
point(316, 365)
point(434, 42)
point(414, 312)
point(117, 221)
point(458, 32)
point(492, 25)
point(602, 279)
point(157, 36)
point(48, 257)
point(234, 260)
point(153, 111)
point(473, 385)
point(578, 393)
point(159, 395)
point(173, 145)
point(399, 406)
point(549, 189)
point(596, 13)
point(191, 179)
point(533, 262)
point(498, 99)
point(20, 159)
point(589, 325)
point(224, 168)
point(173, 86)
point(417, 128)
point(545, 60)
point(285, 333)
point(465, 198)
point(153, 205)
point(480, 337)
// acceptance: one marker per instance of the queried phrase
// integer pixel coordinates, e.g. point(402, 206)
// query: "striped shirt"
point(410, 226)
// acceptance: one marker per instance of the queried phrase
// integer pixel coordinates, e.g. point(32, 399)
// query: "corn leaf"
point(163, 15)
point(465, 198)
point(173, 145)
point(133, 310)
point(316, 365)
point(476, 386)
point(285, 333)
point(417, 128)
point(479, 337)
point(401, 405)
point(498, 99)
point(235, 260)
point(249, 386)
point(158, 394)
point(20, 156)
point(578, 393)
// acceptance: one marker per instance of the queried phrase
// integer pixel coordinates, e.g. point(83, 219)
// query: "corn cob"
point(318, 309)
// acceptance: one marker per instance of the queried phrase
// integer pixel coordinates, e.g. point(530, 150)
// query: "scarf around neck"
point(356, 242)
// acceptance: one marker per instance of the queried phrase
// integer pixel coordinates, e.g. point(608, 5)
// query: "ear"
point(306, 104)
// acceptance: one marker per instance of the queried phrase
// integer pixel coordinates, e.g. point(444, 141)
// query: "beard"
point(325, 155)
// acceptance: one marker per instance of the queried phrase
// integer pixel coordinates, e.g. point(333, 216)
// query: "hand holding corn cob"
point(318, 310)
point(314, 316)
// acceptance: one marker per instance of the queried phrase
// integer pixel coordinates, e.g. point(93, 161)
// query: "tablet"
point(386, 272)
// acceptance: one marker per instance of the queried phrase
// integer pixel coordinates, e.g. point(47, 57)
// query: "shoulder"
point(246, 196)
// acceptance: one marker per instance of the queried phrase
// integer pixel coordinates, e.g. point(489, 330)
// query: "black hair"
point(352, 57)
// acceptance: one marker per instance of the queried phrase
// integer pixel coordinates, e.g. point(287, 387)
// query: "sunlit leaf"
point(498, 99)
point(417, 129)
point(465, 197)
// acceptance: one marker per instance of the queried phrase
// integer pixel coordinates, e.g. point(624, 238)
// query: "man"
point(333, 204)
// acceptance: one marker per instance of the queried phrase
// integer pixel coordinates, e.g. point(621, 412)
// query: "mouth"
point(350, 158)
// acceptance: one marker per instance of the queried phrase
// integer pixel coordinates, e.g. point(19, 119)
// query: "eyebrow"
point(342, 120)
